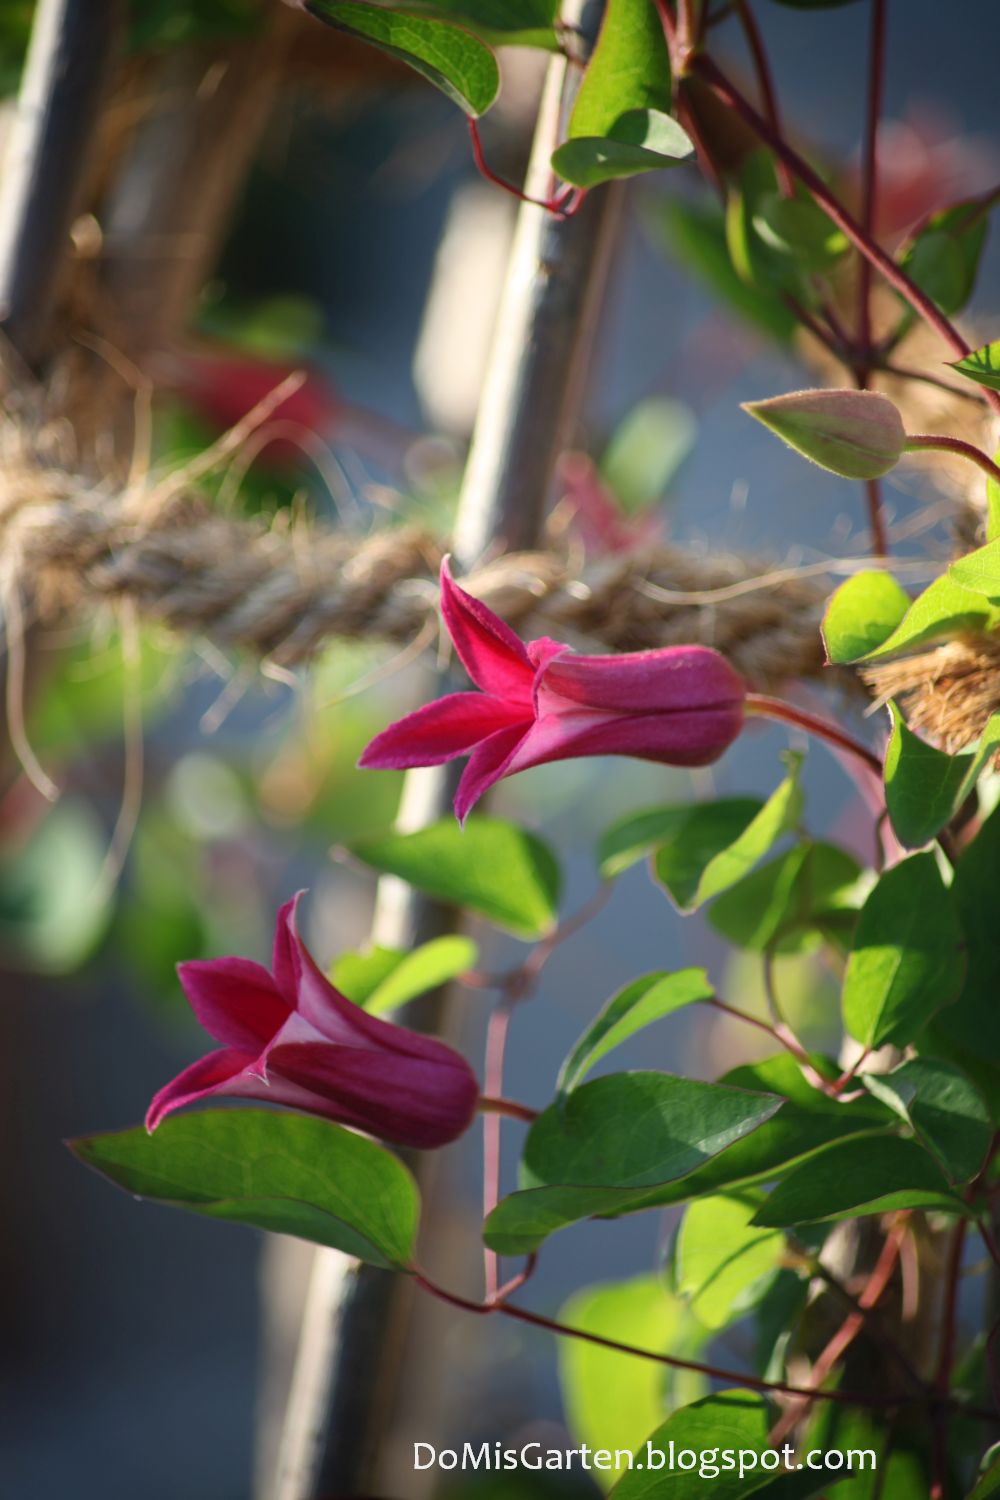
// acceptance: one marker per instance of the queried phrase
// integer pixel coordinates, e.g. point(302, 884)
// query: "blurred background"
point(144, 1352)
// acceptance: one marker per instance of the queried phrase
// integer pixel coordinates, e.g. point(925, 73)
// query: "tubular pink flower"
point(539, 701)
point(289, 1037)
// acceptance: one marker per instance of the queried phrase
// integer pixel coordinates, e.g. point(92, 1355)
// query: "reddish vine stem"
point(491, 1105)
point(932, 441)
point(776, 708)
point(848, 1331)
point(897, 278)
point(714, 1372)
point(564, 203)
point(765, 83)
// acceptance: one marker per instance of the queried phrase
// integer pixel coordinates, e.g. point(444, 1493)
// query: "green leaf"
point(695, 234)
point(993, 504)
point(455, 61)
point(634, 1130)
point(637, 1005)
point(490, 867)
point(861, 614)
point(383, 979)
point(799, 229)
point(737, 1421)
point(973, 1023)
point(947, 1112)
point(907, 961)
point(856, 434)
point(629, 70)
point(988, 1485)
point(924, 787)
point(282, 1171)
point(722, 1260)
point(943, 257)
point(645, 451)
point(633, 837)
point(791, 902)
point(719, 842)
point(945, 608)
point(982, 366)
point(979, 571)
point(852, 1178)
point(808, 1121)
point(54, 907)
point(510, 23)
point(641, 140)
point(613, 1400)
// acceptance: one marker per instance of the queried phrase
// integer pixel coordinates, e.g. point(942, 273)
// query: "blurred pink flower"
point(597, 517)
point(682, 705)
point(288, 1037)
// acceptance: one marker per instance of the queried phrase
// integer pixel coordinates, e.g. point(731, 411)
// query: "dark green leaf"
point(637, 1005)
point(642, 140)
point(735, 1420)
point(799, 229)
point(948, 1113)
point(511, 23)
point(974, 1022)
point(719, 842)
point(695, 235)
point(861, 614)
point(945, 608)
point(943, 258)
point(924, 787)
point(851, 1178)
point(635, 1130)
point(808, 1121)
point(281, 1171)
point(384, 978)
point(790, 902)
point(906, 962)
point(455, 61)
point(632, 838)
point(722, 1260)
point(490, 867)
point(988, 1485)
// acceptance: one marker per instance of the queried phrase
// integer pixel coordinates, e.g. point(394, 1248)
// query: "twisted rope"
point(283, 590)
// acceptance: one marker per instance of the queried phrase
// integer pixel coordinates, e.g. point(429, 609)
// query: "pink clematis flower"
point(288, 1037)
point(682, 705)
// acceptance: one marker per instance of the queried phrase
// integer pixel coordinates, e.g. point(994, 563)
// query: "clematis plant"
point(539, 701)
point(289, 1037)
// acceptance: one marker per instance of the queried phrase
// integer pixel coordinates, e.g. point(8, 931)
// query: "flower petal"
point(209, 1075)
point(675, 677)
point(438, 732)
point(488, 763)
point(235, 1000)
point(418, 1104)
point(494, 657)
point(691, 737)
point(284, 955)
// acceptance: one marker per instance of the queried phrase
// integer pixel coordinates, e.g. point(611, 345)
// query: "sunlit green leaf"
point(790, 902)
point(637, 1005)
point(645, 451)
point(490, 866)
point(945, 608)
point(722, 1260)
point(642, 140)
point(982, 366)
point(862, 613)
point(924, 787)
point(383, 979)
point(454, 60)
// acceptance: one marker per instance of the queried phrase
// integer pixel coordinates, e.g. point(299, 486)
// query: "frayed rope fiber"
point(283, 592)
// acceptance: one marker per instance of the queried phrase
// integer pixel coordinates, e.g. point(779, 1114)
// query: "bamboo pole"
point(355, 1317)
point(73, 43)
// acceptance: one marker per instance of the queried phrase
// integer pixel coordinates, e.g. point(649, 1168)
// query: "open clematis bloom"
point(682, 705)
point(288, 1037)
